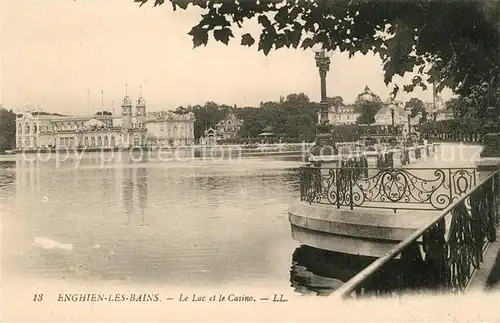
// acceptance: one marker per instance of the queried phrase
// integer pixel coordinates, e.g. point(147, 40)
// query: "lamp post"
point(322, 58)
point(390, 104)
point(408, 113)
point(325, 139)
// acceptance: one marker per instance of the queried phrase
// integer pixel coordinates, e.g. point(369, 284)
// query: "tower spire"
point(140, 90)
point(126, 89)
point(102, 101)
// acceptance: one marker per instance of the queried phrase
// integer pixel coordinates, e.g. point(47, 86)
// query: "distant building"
point(341, 115)
point(228, 128)
point(166, 128)
point(130, 129)
point(384, 116)
point(209, 138)
point(35, 131)
point(444, 115)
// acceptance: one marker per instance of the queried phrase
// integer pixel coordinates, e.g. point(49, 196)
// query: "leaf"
point(141, 2)
point(247, 40)
point(265, 44)
point(394, 91)
point(264, 21)
point(223, 35)
point(307, 43)
point(200, 36)
point(200, 3)
point(181, 3)
point(294, 37)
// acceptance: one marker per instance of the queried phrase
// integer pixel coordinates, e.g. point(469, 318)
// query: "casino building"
point(130, 129)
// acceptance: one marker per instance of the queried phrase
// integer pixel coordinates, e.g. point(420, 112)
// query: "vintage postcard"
point(250, 160)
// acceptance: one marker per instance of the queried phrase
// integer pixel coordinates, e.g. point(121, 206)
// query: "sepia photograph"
point(249, 160)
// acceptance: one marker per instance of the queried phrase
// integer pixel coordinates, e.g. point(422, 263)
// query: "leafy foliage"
point(417, 106)
point(460, 126)
point(207, 115)
point(43, 113)
point(103, 113)
point(455, 43)
point(347, 133)
point(7, 130)
point(336, 101)
point(367, 108)
point(458, 105)
point(293, 117)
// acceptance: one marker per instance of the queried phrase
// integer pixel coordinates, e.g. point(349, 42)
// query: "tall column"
point(323, 64)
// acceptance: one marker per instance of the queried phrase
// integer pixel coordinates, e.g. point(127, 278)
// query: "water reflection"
point(190, 223)
point(321, 272)
point(7, 173)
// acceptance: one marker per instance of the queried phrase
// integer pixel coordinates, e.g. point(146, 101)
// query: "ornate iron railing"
point(390, 188)
point(436, 257)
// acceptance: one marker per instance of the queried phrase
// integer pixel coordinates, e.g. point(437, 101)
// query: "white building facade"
point(35, 131)
point(341, 115)
point(168, 129)
point(133, 128)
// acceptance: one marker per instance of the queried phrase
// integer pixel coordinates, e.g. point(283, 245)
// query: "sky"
point(54, 53)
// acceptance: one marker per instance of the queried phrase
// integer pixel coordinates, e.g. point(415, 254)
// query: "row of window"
point(71, 142)
point(129, 113)
point(74, 127)
point(100, 142)
point(347, 117)
point(27, 128)
point(175, 127)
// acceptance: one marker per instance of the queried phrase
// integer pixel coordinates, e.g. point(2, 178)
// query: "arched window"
point(99, 141)
point(27, 128)
point(92, 142)
point(106, 141)
point(19, 128)
point(112, 141)
point(86, 141)
point(136, 141)
point(34, 128)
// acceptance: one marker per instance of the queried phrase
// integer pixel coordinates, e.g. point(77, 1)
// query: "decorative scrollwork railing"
point(389, 188)
point(436, 257)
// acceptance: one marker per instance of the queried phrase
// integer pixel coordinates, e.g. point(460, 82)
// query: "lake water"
point(194, 222)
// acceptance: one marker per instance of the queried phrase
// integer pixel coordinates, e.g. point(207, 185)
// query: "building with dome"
point(130, 129)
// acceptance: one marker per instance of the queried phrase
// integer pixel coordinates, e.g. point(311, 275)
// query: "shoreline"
point(270, 148)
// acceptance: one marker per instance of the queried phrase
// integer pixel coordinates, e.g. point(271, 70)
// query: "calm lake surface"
point(193, 222)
